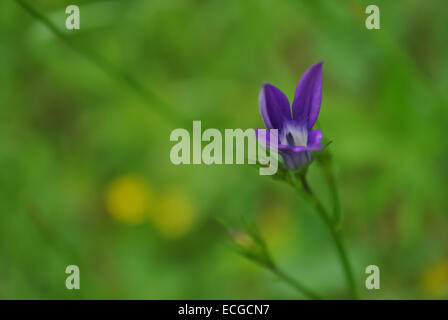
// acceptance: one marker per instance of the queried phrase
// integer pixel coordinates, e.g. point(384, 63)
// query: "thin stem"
point(264, 259)
point(329, 176)
point(335, 233)
point(295, 284)
point(109, 68)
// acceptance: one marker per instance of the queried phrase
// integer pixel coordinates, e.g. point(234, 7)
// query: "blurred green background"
point(86, 177)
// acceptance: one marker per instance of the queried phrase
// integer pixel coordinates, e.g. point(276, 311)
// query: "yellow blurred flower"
point(174, 215)
point(128, 199)
point(434, 281)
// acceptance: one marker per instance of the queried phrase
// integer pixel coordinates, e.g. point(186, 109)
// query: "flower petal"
point(294, 160)
point(308, 97)
point(264, 138)
point(296, 156)
point(274, 106)
point(292, 148)
point(314, 138)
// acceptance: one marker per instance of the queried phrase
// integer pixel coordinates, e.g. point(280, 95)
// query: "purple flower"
point(295, 138)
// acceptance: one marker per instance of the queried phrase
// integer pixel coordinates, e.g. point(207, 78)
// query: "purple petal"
point(274, 106)
point(314, 138)
point(294, 160)
point(292, 148)
point(264, 138)
point(314, 141)
point(308, 97)
point(296, 156)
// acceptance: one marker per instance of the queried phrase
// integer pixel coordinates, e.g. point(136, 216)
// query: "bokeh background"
point(86, 178)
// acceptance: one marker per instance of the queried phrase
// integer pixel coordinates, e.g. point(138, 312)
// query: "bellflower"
point(296, 139)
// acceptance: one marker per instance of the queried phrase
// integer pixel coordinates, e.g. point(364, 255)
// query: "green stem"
point(264, 259)
point(329, 176)
point(295, 284)
point(112, 70)
point(337, 238)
